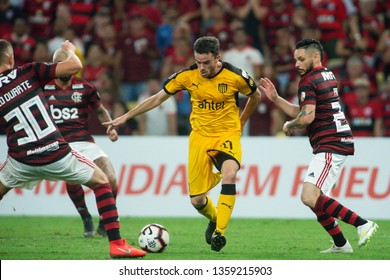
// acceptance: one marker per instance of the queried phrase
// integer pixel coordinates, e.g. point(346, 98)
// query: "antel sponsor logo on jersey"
point(212, 106)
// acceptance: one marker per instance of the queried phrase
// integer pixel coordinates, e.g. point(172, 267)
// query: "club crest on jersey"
point(77, 97)
point(222, 88)
point(303, 95)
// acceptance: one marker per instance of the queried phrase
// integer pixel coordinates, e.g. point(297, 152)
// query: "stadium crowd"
point(129, 48)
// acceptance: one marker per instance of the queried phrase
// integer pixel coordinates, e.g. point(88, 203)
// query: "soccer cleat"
point(347, 248)
point(218, 241)
point(209, 231)
point(120, 249)
point(365, 232)
point(88, 227)
point(101, 230)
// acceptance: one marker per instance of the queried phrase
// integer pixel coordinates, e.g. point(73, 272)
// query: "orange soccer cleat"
point(120, 249)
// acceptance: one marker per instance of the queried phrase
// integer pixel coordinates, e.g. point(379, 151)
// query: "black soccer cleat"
point(218, 241)
point(209, 231)
point(88, 227)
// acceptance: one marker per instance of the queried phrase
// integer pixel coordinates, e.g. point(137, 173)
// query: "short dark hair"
point(5, 46)
point(310, 43)
point(207, 44)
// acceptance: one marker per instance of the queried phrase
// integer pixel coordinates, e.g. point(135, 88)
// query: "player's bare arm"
point(147, 105)
point(72, 64)
point(305, 117)
point(103, 116)
point(250, 107)
point(268, 88)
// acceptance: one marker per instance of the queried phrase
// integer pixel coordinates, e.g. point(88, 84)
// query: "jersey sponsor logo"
point(7, 79)
point(77, 97)
point(212, 106)
point(77, 86)
point(50, 87)
point(51, 147)
point(222, 88)
point(59, 115)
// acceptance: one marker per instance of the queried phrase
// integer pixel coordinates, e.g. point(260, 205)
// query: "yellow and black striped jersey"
point(214, 100)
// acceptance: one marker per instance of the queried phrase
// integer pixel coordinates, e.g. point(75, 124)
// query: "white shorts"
point(324, 171)
point(74, 168)
point(89, 149)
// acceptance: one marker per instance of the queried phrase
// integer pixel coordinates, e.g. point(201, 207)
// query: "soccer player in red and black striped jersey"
point(71, 100)
point(36, 148)
point(331, 138)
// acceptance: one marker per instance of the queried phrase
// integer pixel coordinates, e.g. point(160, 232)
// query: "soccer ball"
point(153, 238)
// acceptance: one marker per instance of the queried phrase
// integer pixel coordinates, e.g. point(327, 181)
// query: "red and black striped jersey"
point(330, 130)
point(32, 136)
point(70, 107)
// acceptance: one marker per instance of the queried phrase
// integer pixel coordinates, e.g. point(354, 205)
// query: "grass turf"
point(60, 238)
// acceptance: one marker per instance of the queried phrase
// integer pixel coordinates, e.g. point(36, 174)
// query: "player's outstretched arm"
point(147, 105)
point(268, 88)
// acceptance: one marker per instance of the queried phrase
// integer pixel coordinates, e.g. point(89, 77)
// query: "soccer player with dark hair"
point(36, 148)
point(216, 130)
point(330, 136)
point(71, 100)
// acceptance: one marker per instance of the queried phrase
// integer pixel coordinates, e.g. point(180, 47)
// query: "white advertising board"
point(152, 180)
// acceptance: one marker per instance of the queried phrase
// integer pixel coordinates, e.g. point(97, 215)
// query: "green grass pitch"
point(60, 238)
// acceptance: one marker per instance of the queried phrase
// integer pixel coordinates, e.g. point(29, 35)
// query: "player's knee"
point(198, 202)
point(229, 176)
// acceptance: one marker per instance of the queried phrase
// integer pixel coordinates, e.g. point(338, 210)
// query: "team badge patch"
point(77, 97)
point(222, 88)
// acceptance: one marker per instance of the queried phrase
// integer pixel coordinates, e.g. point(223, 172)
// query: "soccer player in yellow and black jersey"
point(216, 130)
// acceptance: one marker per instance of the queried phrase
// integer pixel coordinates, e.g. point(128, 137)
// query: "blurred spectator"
point(364, 113)
point(163, 120)
point(383, 57)
point(164, 32)
point(189, 11)
point(152, 15)
point(41, 52)
point(179, 55)
point(384, 94)
point(244, 56)
point(279, 16)
point(108, 43)
point(82, 12)
point(94, 64)
point(8, 14)
point(94, 31)
point(331, 17)
point(354, 69)
point(133, 61)
point(251, 12)
point(41, 15)
point(21, 41)
point(214, 24)
point(301, 20)
point(58, 34)
point(283, 58)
